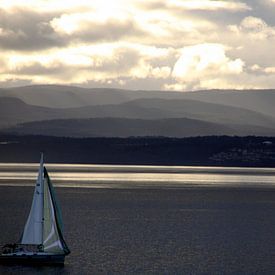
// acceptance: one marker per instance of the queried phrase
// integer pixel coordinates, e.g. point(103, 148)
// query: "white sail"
point(43, 226)
point(34, 226)
point(51, 236)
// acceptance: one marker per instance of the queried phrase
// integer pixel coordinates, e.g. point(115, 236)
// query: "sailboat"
point(42, 240)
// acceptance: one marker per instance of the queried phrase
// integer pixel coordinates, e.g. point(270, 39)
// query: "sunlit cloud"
point(259, 69)
point(81, 64)
point(201, 59)
point(255, 28)
point(152, 44)
point(270, 70)
point(204, 62)
point(197, 5)
point(209, 5)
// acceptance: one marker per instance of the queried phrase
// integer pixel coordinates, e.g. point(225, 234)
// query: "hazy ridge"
point(58, 96)
point(73, 111)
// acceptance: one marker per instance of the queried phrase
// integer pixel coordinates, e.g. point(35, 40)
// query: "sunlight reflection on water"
point(118, 176)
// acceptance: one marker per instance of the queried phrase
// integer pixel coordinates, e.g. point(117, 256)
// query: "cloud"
point(36, 68)
point(157, 28)
point(263, 70)
point(254, 27)
point(83, 27)
point(203, 62)
point(3, 65)
point(253, 24)
point(104, 63)
point(211, 5)
point(25, 30)
point(270, 70)
point(47, 5)
point(199, 5)
point(116, 5)
point(139, 44)
point(252, 39)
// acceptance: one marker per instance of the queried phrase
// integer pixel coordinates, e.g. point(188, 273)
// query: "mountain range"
point(78, 112)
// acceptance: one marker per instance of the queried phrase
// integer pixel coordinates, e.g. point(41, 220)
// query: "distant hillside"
point(78, 112)
point(55, 96)
point(261, 101)
point(58, 96)
point(118, 127)
point(210, 112)
point(14, 111)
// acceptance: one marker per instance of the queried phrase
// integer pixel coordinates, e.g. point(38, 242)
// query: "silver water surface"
point(134, 176)
point(155, 230)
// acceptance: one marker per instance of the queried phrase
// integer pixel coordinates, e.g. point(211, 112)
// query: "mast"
point(41, 167)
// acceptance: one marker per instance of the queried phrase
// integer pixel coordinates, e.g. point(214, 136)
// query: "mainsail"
point(33, 231)
point(44, 224)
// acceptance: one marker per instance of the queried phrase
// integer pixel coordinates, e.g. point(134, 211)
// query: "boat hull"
point(32, 259)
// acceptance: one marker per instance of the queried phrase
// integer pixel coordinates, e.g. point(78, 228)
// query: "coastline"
point(220, 151)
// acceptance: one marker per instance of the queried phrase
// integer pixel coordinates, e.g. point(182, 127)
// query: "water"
point(151, 219)
point(130, 176)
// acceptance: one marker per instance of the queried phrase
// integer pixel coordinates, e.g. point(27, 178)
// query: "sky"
point(139, 44)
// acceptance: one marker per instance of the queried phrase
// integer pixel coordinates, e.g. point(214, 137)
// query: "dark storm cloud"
point(25, 30)
point(38, 69)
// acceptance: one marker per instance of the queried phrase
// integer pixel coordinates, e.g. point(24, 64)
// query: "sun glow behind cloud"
point(164, 44)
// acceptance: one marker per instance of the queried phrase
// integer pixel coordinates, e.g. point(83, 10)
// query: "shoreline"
point(219, 151)
point(152, 188)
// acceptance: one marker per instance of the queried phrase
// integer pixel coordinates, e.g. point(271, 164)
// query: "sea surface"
point(133, 176)
point(150, 219)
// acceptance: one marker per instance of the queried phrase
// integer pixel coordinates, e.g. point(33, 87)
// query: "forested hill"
point(213, 150)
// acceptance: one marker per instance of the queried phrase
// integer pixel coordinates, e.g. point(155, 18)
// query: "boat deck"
point(28, 254)
point(32, 258)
